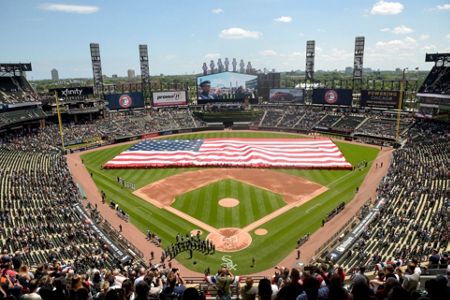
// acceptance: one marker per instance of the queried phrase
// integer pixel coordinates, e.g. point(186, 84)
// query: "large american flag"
point(232, 152)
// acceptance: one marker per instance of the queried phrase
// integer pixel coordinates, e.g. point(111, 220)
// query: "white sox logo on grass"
point(125, 101)
point(331, 97)
point(228, 263)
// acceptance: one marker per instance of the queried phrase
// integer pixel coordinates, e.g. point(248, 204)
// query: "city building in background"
point(55, 75)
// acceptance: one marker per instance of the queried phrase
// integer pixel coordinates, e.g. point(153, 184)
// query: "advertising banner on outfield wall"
point(169, 98)
point(73, 92)
point(287, 95)
point(125, 101)
point(385, 99)
point(149, 135)
point(332, 96)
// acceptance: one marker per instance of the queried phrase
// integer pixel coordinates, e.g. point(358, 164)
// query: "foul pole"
point(61, 133)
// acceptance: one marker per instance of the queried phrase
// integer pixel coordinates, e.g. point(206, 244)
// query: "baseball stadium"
point(233, 182)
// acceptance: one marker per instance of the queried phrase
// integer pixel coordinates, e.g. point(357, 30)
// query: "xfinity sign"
point(73, 92)
point(76, 92)
point(169, 98)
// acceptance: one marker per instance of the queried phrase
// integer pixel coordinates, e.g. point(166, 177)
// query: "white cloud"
point(217, 11)
point(430, 48)
point(402, 29)
point(443, 7)
point(336, 54)
point(386, 8)
point(283, 19)
point(239, 33)
point(448, 36)
point(423, 37)
point(212, 55)
point(170, 57)
point(296, 53)
point(70, 8)
point(394, 45)
point(268, 52)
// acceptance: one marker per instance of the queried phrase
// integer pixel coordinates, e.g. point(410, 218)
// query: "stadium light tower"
point(400, 103)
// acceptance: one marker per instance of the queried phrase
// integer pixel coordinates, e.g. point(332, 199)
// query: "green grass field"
point(283, 231)
point(254, 204)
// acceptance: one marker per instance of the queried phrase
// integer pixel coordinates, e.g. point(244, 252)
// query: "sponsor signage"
point(73, 92)
point(287, 95)
point(332, 96)
point(149, 135)
point(169, 98)
point(385, 99)
point(125, 101)
point(184, 130)
point(168, 132)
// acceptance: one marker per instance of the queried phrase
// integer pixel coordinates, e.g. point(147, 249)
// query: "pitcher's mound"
point(230, 239)
point(228, 202)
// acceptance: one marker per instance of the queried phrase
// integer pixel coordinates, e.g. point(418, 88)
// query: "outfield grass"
point(283, 231)
point(254, 203)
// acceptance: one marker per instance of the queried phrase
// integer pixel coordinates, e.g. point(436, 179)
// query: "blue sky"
point(182, 34)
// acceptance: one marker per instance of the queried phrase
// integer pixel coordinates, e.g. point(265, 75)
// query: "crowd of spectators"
point(383, 127)
point(273, 117)
point(412, 222)
point(115, 125)
point(328, 120)
point(370, 124)
point(437, 81)
point(38, 216)
point(12, 117)
point(15, 90)
point(349, 122)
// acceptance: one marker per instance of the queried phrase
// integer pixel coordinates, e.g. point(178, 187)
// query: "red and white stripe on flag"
point(232, 152)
